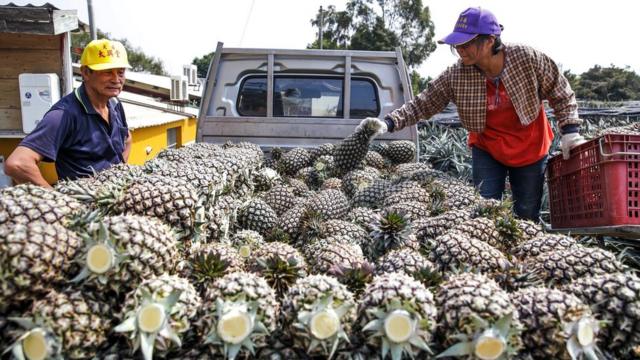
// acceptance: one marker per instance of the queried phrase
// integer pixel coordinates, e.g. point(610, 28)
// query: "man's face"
point(107, 83)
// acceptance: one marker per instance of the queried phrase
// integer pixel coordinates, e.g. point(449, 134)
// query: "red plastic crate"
point(598, 186)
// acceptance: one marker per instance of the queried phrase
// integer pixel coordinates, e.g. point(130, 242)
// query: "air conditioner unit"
point(191, 72)
point(179, 88)
point(37, 93)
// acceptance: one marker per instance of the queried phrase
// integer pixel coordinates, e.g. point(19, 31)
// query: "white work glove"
point(568, 142)
point(382, 125)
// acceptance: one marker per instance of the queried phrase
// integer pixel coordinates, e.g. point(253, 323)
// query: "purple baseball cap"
point(472, 22)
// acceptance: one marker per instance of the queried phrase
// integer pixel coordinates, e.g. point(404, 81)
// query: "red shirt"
point(505, 138)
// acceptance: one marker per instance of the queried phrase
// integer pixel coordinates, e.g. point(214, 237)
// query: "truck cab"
point(300, 98)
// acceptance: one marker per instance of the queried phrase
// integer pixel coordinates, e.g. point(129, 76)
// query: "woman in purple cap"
point(498, 89)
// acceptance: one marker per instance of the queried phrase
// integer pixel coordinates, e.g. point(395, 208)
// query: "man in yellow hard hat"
point(85, 131)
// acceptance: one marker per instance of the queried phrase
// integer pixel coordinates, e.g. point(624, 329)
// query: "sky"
point(576, 34)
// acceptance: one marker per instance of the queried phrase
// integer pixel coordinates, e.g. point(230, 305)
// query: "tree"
point(203, 64)
point(606, 84)
point(418, 83)
point(379, 25)
point(138, 60)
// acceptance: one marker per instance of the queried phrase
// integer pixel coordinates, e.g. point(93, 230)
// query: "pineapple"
point(454, 250)
point(557, 325)
point(322, 150)
point(331, 183)
point(330, 204)
point(477, 317)
point(345, 228)
point(543, 244)
point(356, 180)
point(62, 324)
point(291, 221)
point(430, 228)
point(404, 260)
point(391, 230)
point(416, 194)
point(413, 210)
point(375, 160)
point(564, 266)
point(362, 216)
point(458, 195)
point(372, 196)
point(26, 203)
point(502, 233)
point(34, 257)
point(240, 311)
point(206, 262)
point(396, 316)
point(280, 198)
point(294, 160)
point(246, 242)
point(351, 151)
point(401, 151)
point(158, 314)
point(205, 180)
point(614, 298)
point(530, 229)
point(121, 251)
point(258, 216)
point(220, 216)
point(264, 179)
point(318, 313)
point(278, 263)
point(410, 167)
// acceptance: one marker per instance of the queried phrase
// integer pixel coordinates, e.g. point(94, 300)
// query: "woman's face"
point(474, 50)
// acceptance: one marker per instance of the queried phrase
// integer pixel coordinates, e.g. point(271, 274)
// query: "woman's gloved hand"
point(568, 142)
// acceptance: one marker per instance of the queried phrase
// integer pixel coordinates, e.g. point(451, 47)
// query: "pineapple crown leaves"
point(390, 230)
point(501, 331)
point(430, 278)
point(146, 340)
point(35, 326)
point(280, 273)
point(355, 275)
point(277, 234)
point(97, 234)
point(248, 309)
point(208, 266)
point(398, 349)
point(324, 304)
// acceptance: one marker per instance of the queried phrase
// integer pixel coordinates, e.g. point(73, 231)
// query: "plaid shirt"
point(529, 77)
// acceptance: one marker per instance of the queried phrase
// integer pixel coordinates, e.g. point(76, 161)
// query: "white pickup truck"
point(300, 98)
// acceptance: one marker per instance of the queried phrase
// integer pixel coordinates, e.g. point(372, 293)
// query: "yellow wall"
point(154, 136)
point(48, 170)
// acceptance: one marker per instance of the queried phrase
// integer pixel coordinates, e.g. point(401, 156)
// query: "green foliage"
point(203, 64)
point(380, 25)
point(445, 148)
point(418, 83)
point(606, 84)
point(139, 61)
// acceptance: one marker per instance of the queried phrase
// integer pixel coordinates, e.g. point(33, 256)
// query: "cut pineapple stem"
point(245, 251)
point(99, 258)
point(235, 326)
point(151, 318)
point(324, 324)
point(34, 345)
point(490, 346)
point(585, 333)
point(399, 326)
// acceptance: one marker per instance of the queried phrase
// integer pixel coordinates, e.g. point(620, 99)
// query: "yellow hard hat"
point(104, 54)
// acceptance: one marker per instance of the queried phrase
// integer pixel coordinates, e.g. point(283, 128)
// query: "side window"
point(252, 98)
point(307, 97)
point(364, 99)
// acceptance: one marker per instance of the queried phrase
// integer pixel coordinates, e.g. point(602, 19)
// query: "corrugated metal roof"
point(143, 111)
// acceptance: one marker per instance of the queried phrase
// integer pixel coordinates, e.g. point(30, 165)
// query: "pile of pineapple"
point(345, 251)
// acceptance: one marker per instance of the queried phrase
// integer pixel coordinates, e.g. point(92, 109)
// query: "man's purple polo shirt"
point(76, 137)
